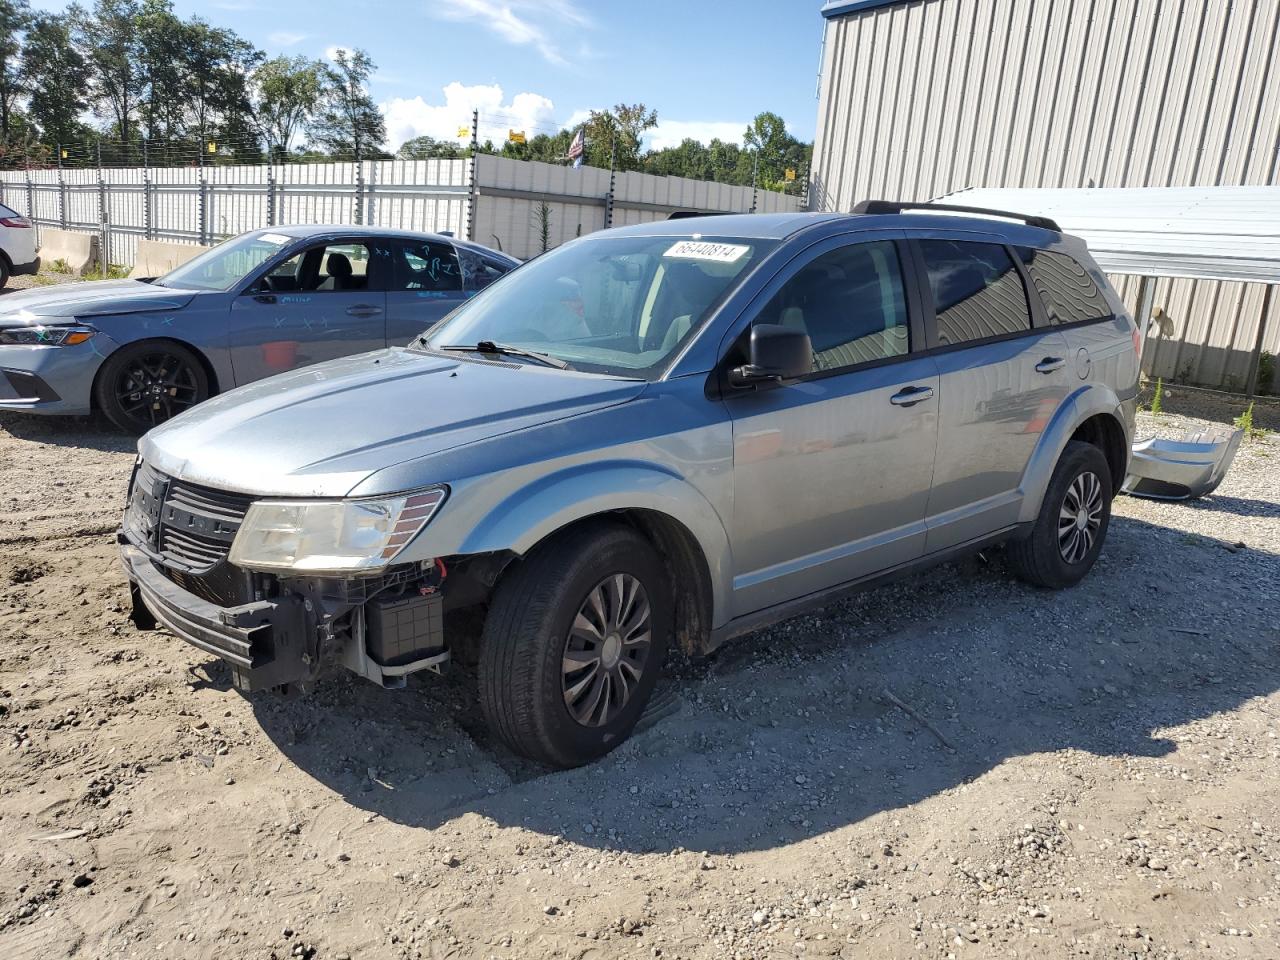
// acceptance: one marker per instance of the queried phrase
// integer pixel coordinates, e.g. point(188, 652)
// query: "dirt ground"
point(1107, 788)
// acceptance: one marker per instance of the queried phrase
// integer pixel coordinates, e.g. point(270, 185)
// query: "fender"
point(536, 511)
point(1089, 401)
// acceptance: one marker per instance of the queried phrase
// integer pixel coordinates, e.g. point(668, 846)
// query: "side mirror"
point(777, 354)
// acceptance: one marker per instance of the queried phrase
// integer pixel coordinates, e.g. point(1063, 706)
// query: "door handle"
point(1050, 364)
point(363, 310)
point(265, 298)
point(910, 396)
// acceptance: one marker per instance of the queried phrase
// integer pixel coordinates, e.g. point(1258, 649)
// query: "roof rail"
point(895, 206)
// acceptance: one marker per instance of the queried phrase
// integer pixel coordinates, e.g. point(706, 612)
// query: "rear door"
point(1001, 375)
point(327, 301)
point(426, 284)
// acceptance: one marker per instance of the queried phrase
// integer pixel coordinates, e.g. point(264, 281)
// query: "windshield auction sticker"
point(702, 250)
point(274, 238)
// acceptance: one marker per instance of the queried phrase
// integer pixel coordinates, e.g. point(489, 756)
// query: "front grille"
point(190, 529)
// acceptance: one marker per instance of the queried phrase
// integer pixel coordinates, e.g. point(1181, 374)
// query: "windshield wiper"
point(488, 346)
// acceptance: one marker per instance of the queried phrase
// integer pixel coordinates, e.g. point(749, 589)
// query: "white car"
point(17, 245)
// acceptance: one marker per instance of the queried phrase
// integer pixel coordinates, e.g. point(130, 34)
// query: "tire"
point(536, 682)
point(1053, 556)
point(4, 272)
point(142, 385)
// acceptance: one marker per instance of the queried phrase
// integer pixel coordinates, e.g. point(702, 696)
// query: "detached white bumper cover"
point(1181, 469)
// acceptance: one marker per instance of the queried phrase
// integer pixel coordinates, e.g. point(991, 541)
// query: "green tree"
point(429, 148)
point(348, 122)
point(58, 80)
point(618, 133)
point(284, 93)
point(777, 151)
point(216, 64)
point(15, 17)
point(117, 82)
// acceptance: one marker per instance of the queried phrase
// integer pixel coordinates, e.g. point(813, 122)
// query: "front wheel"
point(142, 385)
point(573, 644)
point(1072, 526)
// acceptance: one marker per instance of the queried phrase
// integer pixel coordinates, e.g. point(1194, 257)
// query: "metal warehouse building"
point(920, 99)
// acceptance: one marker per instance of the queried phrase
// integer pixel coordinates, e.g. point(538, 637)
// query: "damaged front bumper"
point(382, 628)
point(1183, 469)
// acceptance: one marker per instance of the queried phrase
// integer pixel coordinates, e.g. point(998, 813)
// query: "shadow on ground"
point(92, 433)
point(788, 733)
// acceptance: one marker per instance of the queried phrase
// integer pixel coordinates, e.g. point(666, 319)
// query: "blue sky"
point(706, 66)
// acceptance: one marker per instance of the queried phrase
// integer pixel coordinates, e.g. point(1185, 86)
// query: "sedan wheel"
point(143, 385)
point(606, 651)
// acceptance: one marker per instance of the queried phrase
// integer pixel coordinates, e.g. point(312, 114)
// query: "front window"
point(228, 264)
point(618, 305)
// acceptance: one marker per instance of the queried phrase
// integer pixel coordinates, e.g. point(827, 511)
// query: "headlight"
point(331, 536)
point(56, 335)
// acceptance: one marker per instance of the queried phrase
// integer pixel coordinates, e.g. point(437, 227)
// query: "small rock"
point(82, 880)
point(550, 910)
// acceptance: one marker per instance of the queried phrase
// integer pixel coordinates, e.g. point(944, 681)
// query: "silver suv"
point(669, 433)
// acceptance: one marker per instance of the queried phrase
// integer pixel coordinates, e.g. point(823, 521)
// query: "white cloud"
point(285, 38)
point(521, 22)
point(407, 118)
point(670, 133)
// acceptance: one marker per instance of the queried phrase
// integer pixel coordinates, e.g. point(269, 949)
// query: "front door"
point(426, 284)
point(326, 302)
point(1002, 380)
point(832, 473)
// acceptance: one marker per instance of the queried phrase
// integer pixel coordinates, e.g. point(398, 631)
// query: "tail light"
point(1137, 341)
point(20, 222)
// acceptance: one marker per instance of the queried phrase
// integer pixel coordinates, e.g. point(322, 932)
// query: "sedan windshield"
point(618, 305)
point(227, 264)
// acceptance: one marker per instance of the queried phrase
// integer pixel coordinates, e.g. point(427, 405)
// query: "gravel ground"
point(1090, 773)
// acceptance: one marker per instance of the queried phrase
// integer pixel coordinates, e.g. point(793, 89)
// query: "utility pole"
point(613, 176)
point(471, 174)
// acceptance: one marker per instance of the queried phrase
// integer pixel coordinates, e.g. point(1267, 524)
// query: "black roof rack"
point(895, 206)
point(686, 214)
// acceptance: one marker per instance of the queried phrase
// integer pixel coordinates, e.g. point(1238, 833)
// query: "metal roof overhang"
point(841, 8)
point(1209, 233)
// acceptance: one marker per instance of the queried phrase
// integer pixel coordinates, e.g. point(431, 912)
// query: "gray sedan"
point(142, 351)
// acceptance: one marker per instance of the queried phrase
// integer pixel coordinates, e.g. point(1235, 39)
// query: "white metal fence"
point(503, 205)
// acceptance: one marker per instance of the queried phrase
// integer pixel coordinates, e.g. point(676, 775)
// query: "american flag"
point(577, 148)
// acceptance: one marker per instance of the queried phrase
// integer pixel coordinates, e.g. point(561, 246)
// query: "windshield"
point(227, 264)
point(619, 305)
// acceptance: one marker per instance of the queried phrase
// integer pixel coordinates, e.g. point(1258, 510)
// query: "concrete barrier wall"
point(79, 251)
point(157, 257)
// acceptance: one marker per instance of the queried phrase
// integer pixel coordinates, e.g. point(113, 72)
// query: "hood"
point(93, 298)
point(321, 430)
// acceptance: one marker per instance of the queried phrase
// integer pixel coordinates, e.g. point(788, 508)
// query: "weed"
point(1157, 398)
point(1245, 422)
point(60, 266)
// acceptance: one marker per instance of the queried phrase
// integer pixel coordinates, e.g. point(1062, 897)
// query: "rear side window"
point(6, 212)
point(977, 292)
point(426, 267)
point(851, 303)
point(1069, 293)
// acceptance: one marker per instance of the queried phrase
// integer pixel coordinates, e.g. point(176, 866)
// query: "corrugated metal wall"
point(924, 98)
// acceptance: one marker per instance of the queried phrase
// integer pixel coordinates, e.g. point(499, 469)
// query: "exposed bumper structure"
point(1181, 469)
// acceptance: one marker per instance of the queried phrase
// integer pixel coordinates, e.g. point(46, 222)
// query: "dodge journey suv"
point(671, 433)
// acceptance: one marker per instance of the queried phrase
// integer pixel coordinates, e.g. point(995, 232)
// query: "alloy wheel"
point(607, 649)
point(157, 386)
point(1080, 517)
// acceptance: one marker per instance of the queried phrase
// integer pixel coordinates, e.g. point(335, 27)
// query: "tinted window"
point(850, 301)
point(477, 271)
point(6, 212)
point(427, 266)
point(1069, 293)
point(977, 291)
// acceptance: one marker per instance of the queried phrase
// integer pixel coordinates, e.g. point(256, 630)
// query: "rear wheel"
point(1072, 526)
point(4, 272)
point(144, 384)
point(573, 644)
